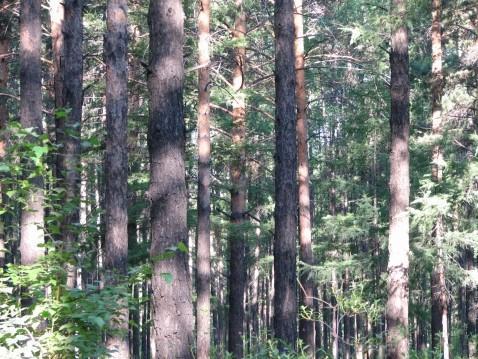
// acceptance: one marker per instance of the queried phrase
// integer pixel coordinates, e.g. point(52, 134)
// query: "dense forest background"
point(243, 179)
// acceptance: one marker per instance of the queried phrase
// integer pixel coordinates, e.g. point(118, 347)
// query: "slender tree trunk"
point(306, 326)
point(203, 266)
point(116, 163)
point(4, 51)
point(69, 124)
point(398, 245)
point(438, 284)
point(285, 214)
point(237, 273)
point(172, 308)
point(32, 217)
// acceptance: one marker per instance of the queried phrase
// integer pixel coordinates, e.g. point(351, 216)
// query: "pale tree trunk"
point(439, 322)
point(285, 214)
point(237, 273)
point(172, 308)
point(32, 217)
point(4, 54)
point(68, 163)
point(203, 265)
point(398, 245)
point(116, 163)
point(306, 326)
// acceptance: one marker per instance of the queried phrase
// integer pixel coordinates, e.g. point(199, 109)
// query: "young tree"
point(439, 322)
point(306, 326)
point(203, 280)
point(398, 245)
point(171, 286)
point(285, 214)
point(32, 217)
point(116, 160)
point(237, 265)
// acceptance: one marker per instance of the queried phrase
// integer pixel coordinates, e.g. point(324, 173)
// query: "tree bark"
point(116, 163)
point(32, 217)
point(203, 266)
point(237, 272)
point(306, 326)
point(285, 214)
point(172, 308)
point(398, 245)
point(439, 322)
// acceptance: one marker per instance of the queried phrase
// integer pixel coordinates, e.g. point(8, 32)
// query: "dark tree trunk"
point(32, 217)
point(398, 246)
point(285, 215)
point(172, 308)
point(203, 275)
point(69, 124)
point(306, 325)
point(116, 162)
point(237, 271)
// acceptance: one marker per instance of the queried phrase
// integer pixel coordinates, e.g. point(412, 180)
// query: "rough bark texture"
point(439, 320)
point(32, 217)
point(398, 245)
point(285, 215)
point(203, 280)
point(237, 265)
point(306, 326)
point(68, 125)
point(4, 51)
point(116, 161)
point(172, 309)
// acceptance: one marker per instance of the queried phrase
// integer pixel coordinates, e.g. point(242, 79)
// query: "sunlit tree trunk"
point(32, 217)
point(203, 265)
point(116, 163)
point(398, 245)
point(306, 325)
point(237, 269)
point(285, 214)
point(172, 308)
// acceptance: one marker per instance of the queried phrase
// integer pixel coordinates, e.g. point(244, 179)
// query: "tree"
point(171, 287)
point(237, 265)
point(116, 160)
point(398, 242)
point(306, 326)
point(439, 320)
point(32, 217)
point(203, 281)
point(285, 213)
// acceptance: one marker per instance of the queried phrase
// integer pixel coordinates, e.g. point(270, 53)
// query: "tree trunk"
point(237, 273)
point(398, 245)
point(306, 326)
point(69, 81)
point(203, 266)
point(285, 214)
point(439, 308)
point(172, 308)
point(32, 217)
point(116, 163)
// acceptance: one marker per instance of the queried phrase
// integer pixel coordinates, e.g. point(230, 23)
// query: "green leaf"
point(4, 167)
point(168, 277)
point(182, 247)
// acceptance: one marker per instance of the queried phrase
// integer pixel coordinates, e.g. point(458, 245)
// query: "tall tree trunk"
point(285, 214)
point(237, 272)
point(69, 123)
point(4, 52)
point(32, 217)
point(203, 266)
point(398, 245)
point(306, 326)
point(172, 308)
point(116, 162)
point(439, 310)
